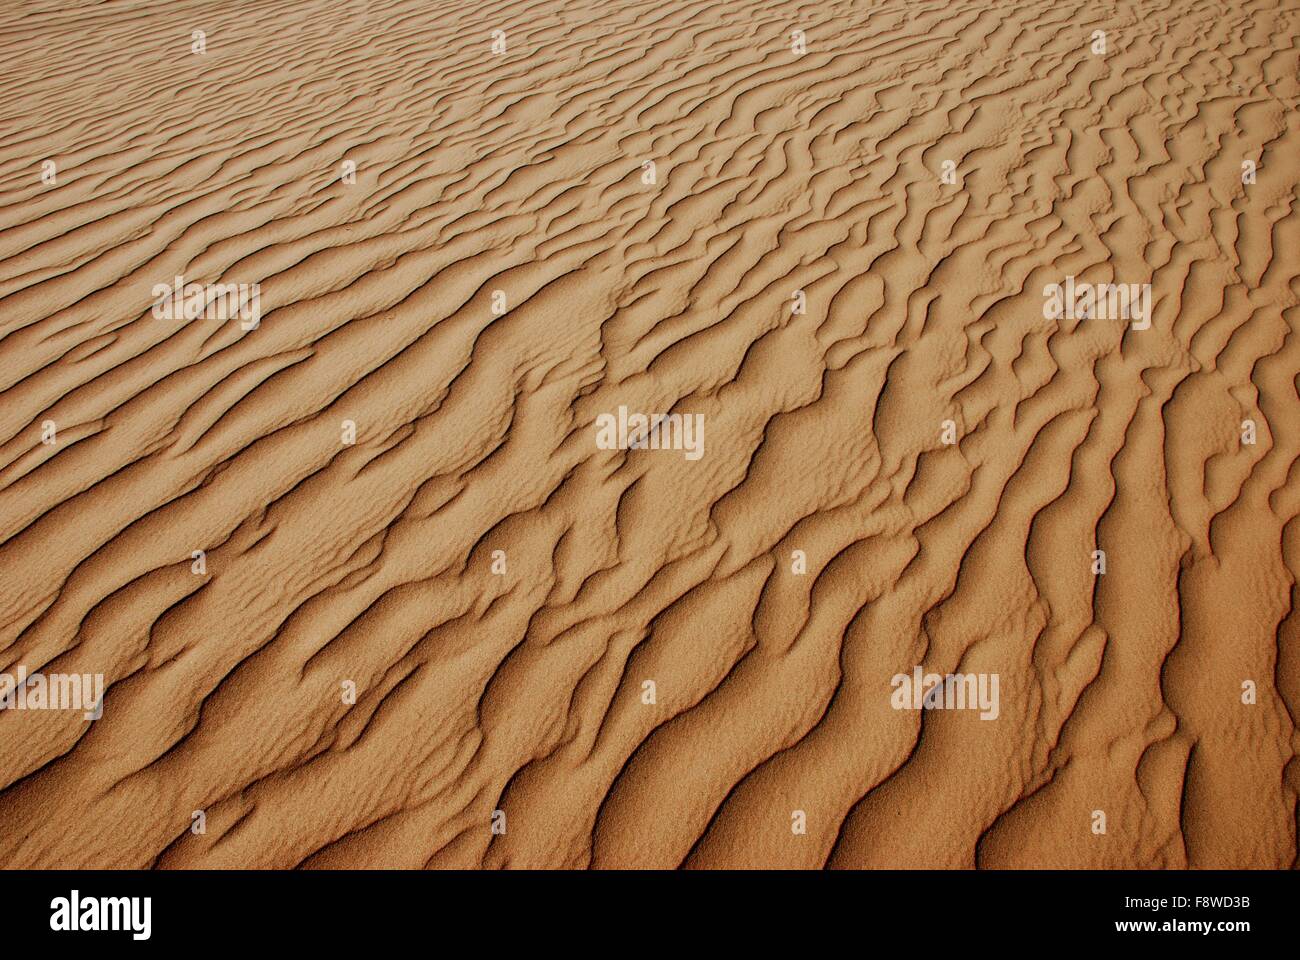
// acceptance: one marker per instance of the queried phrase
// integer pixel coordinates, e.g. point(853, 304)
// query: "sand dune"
point(443, 612)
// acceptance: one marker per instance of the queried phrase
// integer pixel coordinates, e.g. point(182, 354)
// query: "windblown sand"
point(638, 658)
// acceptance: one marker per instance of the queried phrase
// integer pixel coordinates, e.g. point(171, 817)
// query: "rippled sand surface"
point(829, 248)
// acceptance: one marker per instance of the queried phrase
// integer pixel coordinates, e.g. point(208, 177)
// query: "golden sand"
point(435, 623)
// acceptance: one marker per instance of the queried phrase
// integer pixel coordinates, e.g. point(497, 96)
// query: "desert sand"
point(376, 570)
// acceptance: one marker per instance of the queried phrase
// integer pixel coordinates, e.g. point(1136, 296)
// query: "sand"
point(393, 564)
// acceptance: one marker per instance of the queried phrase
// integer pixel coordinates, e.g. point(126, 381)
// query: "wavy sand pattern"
point(524, 691)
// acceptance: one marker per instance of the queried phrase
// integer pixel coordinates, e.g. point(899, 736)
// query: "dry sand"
point(517, 681)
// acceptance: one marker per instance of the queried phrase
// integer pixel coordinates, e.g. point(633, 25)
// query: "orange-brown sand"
point(375, 570)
